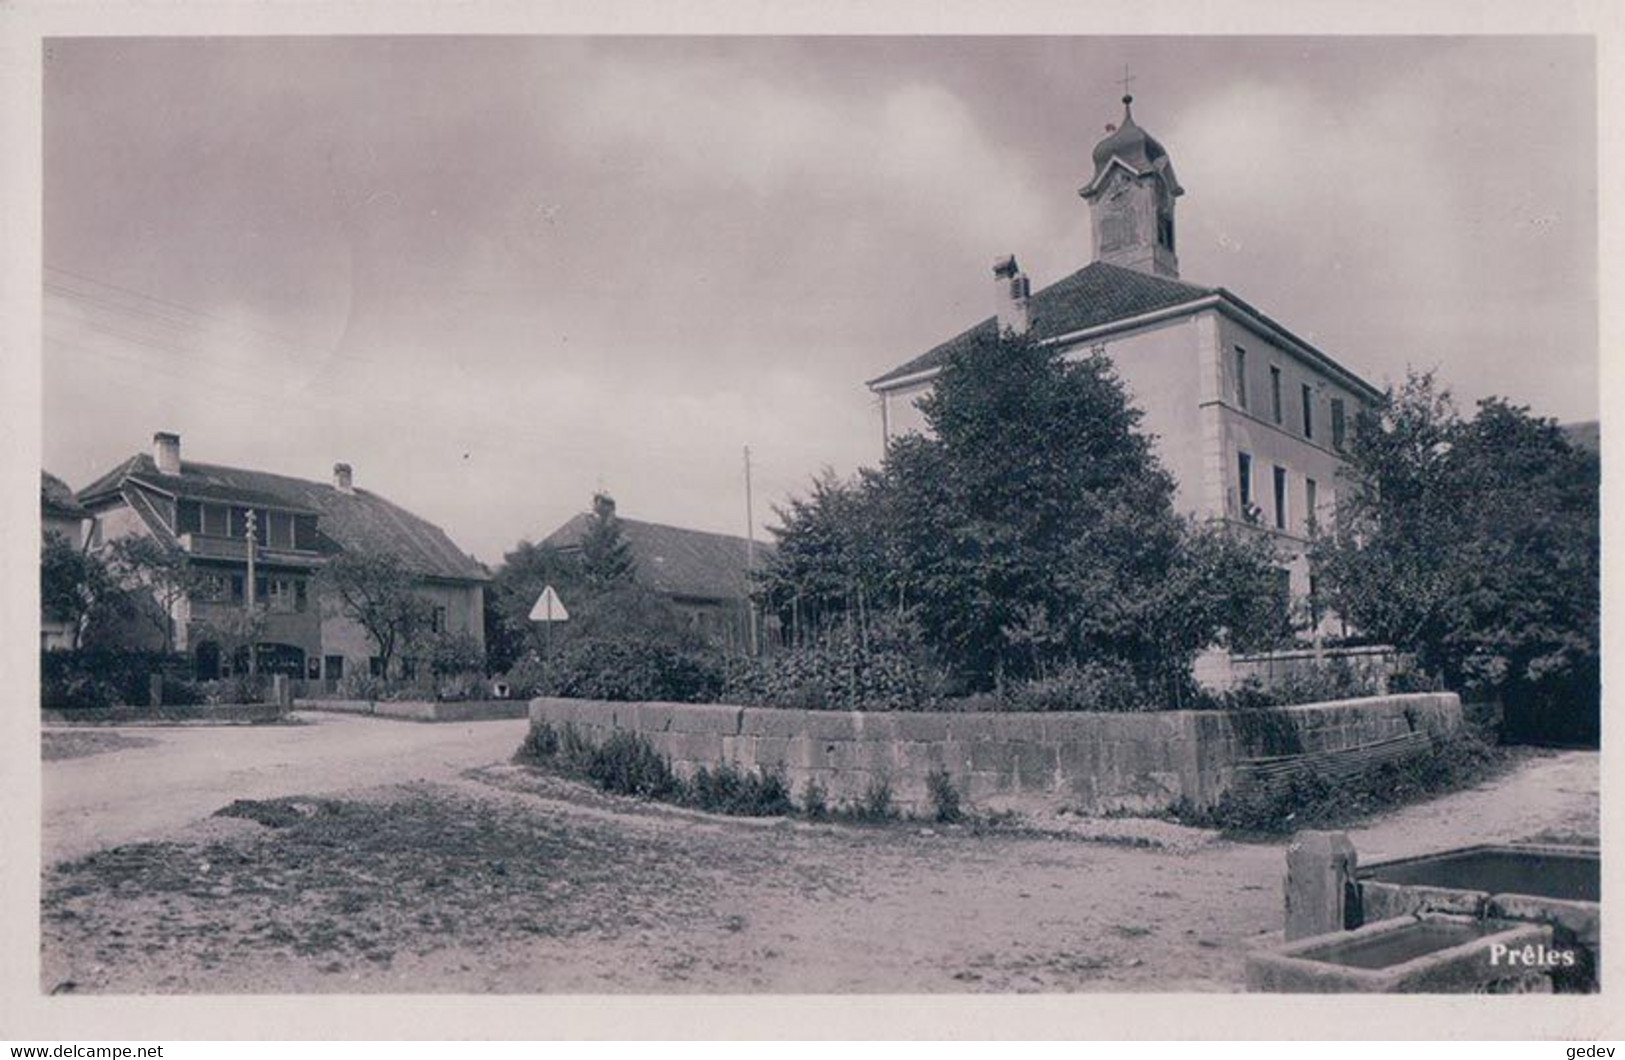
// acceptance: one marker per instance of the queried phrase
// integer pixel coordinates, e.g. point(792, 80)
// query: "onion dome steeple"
point(1131, 199)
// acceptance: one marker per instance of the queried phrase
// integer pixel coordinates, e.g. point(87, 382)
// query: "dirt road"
point(154, 780)
point(463, 874)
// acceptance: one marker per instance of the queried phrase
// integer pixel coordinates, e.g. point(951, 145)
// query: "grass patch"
point(1311, 801)
point(279, 813)
point(356, 883)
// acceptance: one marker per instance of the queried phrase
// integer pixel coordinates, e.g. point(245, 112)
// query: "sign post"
point(547, 610)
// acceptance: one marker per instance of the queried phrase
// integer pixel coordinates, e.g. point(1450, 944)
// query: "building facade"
point(705, 576)
point(215, 516)
point(1250, 419)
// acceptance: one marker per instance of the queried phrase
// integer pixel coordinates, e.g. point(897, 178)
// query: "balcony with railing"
point(212, 546)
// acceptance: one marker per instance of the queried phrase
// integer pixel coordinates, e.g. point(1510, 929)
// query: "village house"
point(706, 576)
point(60, 514)
point(204, 512)
point(1251, 420)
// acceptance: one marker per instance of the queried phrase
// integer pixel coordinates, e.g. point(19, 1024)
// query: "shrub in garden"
point(238, 688)
point(104, 677)
point(540, 745)
point(1309, 800)
point(877, 803)
point(814, 801)
point(627, 764)
point(944, 797)
point(726, 789)
point(881, 667)
point(626, 670)
point(363, 686)
point(1106, 685)
point(179, 692)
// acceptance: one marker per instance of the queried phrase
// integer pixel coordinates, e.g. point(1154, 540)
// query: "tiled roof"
point(1094, 295)
point(676, 561)
point(56, 499)
point(361, 521)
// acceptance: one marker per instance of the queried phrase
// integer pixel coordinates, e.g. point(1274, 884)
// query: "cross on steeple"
point(1126, 79)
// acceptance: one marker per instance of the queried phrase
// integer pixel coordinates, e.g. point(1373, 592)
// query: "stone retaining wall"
point(421, 710)
point(1095, 763)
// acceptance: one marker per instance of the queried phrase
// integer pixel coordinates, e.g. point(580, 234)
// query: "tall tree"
point(606, 558)
point(146, 566)
point(1472, 542)
point(1032, 527)
point(76, 587)
point(379, 594)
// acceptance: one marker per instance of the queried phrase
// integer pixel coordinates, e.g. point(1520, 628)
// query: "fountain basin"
point(1430, 954)
point(1550, 884)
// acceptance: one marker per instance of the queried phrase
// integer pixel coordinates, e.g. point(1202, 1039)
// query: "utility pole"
point(750, 554)
point(248, 588)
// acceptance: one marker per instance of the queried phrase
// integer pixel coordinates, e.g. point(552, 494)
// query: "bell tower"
point(1131, 200)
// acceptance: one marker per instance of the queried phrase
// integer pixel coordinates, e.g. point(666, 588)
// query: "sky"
point(497, 274)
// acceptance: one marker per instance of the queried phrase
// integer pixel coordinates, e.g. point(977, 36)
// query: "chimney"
point(166, 452)
point(341, 478)
point(1013, 288)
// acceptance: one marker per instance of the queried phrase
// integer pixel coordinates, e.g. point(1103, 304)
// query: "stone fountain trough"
point(1429, 954)
point(1548, 884)
point(1443, 922)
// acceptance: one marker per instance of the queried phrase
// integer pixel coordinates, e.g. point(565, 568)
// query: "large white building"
point(1250, 419)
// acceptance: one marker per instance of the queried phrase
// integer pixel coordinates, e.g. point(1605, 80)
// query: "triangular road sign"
point(549, 608)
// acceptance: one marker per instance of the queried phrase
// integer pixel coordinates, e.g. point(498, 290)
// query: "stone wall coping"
point(861, 718)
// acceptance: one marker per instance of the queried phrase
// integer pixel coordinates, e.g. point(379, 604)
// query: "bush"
point(626, 670)
point(944, 797)
point(1333, 680)
point(178, 692)
point(450, 654)
point(238, 688)
point(1412, 679)
point(814, 801)
point(1309, 800)
point(541, 745)
point(627, 764)
point(726, 790)
point(460, 687)
point(1104, 686)
point(105, 677)
point(876, 804)
point(848, 669)
point(363, 686)
point(525, 677)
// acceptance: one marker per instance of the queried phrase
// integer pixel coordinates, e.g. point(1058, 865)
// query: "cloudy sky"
point(496, 274)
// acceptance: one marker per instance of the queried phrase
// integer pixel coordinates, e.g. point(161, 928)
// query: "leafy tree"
point(146, 565)
point(237, 630)
point(1033, 528)
point(832, 557)
point(448, 654)
point(1472, 542)
point(378, 593)
point(606, 558)
point(76, 587)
